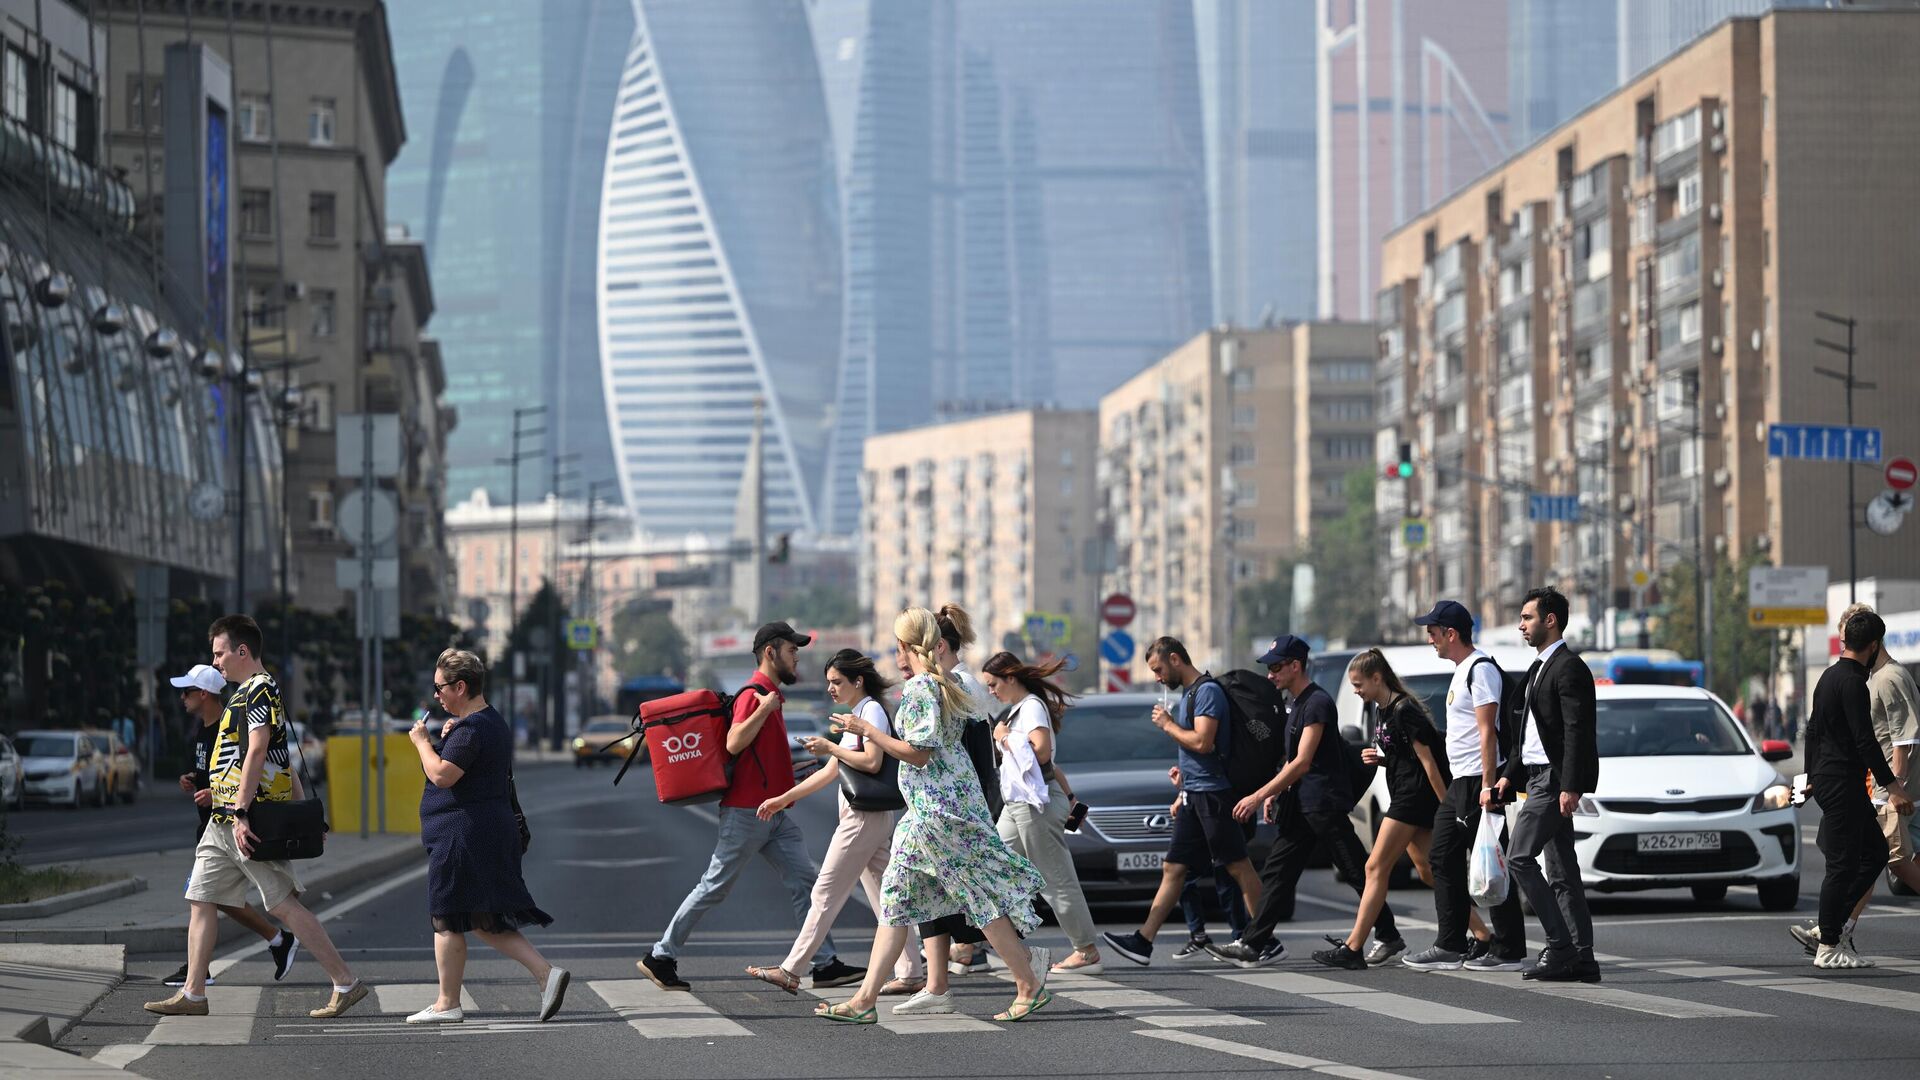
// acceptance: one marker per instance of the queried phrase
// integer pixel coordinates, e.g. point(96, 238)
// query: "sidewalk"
point(44, 989)
point(155, 920)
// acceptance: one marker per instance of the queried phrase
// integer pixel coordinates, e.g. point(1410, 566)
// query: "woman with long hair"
point(1414, 755)
point(1037, 795)
point(858, 851)
point(947, 860)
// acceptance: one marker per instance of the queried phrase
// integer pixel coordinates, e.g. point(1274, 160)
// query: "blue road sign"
point(1824, 442)
point(1117, 647)
point(1070, 662)
point(1553, 508)
point(1413, 534)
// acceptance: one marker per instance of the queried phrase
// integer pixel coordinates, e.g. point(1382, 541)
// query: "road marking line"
point(121, 1055)
point(228, 1023)
point(1615, 997)
point(1858, 993)
point(407, 998)
point(1142, 1005)
point(1398, 1006)
point(1271, 1057)
point(917, 1024)
point(663, 1014)
point(1631, 922)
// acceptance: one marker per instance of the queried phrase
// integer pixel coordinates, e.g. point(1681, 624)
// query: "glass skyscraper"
point(508, 103)
point(720, 264)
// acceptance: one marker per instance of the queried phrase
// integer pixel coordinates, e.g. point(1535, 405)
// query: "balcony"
point(1592, 304)
point(1450, 317)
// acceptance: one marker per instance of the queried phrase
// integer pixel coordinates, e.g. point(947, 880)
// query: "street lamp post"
point(553, 698)
point(513, 539)
point(1847, 380)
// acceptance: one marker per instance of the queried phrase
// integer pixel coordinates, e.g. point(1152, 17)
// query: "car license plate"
point(1140, 860)
point(1678, 841)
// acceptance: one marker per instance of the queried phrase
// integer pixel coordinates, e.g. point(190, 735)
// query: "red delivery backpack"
point(686, 738)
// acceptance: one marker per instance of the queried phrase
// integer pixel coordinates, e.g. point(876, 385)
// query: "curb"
point(171, 936)
point(65, 902)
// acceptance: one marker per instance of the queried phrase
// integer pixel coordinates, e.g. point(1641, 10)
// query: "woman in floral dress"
point(947, 857)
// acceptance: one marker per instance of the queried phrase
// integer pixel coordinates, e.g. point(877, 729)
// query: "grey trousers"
point(742, 836)
point(1039, 834)
point(1558, 898)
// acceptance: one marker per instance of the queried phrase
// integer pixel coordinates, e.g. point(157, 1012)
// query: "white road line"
point(664, 1014)
point(914, 1024)
point(229, 1021)
point(1858, 993)
point(121, 1055)
point(1142, 1005)
point(406, 998)
point(1635, 922)
point(1612, 996)
point(1397, 1006)
point(1896, 963)
point(1271, 1057)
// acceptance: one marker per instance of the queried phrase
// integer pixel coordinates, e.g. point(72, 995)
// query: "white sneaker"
point(455, 1015)
point(923, 1003)
point(1839, 958)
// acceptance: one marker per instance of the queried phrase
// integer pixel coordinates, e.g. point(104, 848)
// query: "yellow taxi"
point(600, 740)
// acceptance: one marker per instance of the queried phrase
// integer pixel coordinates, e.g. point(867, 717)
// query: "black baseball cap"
point(777, 631)
point(1449, 613)
point(1285, 647)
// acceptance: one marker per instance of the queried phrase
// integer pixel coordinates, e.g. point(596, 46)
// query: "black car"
point(1117, 763)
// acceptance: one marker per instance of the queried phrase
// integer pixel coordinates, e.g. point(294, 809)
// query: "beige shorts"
point(221, 875)
point(1898, 829)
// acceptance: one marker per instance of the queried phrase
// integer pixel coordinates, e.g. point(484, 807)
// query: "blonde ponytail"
point(918, 632)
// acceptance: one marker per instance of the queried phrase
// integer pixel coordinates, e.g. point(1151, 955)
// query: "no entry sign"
point(1117, 609)
point(1901, 473)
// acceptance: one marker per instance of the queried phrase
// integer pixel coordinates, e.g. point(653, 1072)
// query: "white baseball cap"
point(202, 677)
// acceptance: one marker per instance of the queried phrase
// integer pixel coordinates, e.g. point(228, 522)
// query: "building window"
point(1243, 378)
point(1244, 417)
point(379, 327)
point(320, 121)
point(1766, 247)
point(322, 313)
point(261, 313)
point(143, 103)
point(1686, 195)
point(255, 122)
point(1242, 454)
point(1677, 397)
point(66, 114)
point(1348, 370)
point(320, 218)
point(1677, 134)
point(320, 509)
point(1245, 531)
point(1066, 458)
point(1347, 447)
point(1066, 486)
point(17, 86)
point(1690, 323)
point(256, 212)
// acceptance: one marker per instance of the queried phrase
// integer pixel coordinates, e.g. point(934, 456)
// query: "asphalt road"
point(151, 823)
point(1716, 992)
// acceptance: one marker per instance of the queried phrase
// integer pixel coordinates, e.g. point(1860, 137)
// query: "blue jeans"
point(1225, 889)
point(742, 836)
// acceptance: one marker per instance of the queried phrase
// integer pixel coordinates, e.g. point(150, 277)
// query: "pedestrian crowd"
point(953, 813)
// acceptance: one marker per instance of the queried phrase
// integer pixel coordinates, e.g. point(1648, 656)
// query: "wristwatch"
point(239, 812)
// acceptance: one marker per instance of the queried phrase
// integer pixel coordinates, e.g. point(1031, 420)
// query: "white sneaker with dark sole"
point(428, 1015)
point(923, 1003)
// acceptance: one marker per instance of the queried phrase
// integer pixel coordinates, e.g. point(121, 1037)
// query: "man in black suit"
point(1558, 763)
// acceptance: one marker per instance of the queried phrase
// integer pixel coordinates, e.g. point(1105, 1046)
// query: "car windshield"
point(799, 724)
point(1665, 727)
point(47, 746)
point(1097, 731)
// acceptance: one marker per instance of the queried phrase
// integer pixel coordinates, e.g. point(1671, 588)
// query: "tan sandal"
point(1080, 963)
point(903, 986)
point(780, 977)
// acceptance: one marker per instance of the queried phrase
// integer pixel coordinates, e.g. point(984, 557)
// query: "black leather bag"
point(977, 739)
point(519, 815)
point(875, 791)
point(295, 829)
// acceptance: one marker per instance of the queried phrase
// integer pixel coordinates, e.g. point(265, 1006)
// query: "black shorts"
point(1416, 807)
point(1204, 832)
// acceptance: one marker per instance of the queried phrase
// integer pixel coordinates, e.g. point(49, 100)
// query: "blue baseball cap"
point(1285, 647)
point(1449, 613)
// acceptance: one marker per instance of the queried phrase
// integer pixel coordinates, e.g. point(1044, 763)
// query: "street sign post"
point(1117, 648)
point(1118, 610)
point(1787, 595)
point(582, 635)
point(1824, 442)
point(1553, 508)
point(1901, 473)
point(1413, 533)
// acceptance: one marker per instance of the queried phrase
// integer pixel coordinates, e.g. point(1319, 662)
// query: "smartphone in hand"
point(1076, 816)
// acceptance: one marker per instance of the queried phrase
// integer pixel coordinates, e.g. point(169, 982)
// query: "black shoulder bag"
point(875, 790)
point(295, 829)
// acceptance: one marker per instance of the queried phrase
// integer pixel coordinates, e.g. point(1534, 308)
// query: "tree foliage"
point(821, 605)
point(1262, 608)
point(1740, 649)
point(646, 641)
point(1344, 555)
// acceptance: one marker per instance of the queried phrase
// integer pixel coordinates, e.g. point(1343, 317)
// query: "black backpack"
point(1257, 746)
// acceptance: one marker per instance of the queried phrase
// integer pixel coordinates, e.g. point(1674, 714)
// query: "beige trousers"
point(856, 855)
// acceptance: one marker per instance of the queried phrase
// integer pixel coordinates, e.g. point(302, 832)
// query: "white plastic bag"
point(1487, 880)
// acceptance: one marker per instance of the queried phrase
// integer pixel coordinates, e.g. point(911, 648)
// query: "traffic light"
point(1403, 470)
point(782, 549)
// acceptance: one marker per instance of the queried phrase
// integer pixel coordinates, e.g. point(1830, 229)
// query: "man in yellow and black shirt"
point(249, 765)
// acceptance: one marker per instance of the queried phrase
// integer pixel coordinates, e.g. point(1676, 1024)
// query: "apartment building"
point(993, 513)
point(1617, 312)
point(1333, 425)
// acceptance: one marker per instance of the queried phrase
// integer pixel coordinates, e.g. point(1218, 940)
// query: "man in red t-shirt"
point(762, 769)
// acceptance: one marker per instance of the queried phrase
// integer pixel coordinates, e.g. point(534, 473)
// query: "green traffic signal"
point(1406, 470)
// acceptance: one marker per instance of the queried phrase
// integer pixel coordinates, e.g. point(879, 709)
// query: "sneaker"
point(1242, 955)
point(428, 1015)
point(178, 1005)
point(1384, 951)
point(923, 1003)
point(664, 972)
point(974, 964)
point(1194, 949)
point(1808, 936)
point(1839, 958)
point(555, 993)
point(283, 955)
point(1341, 957)
point(1491, 961)
point(1435, 959)
point(340, 1002)
point(1132, 946)
point(835, 972)
point(179, 978)
point(1478, 947)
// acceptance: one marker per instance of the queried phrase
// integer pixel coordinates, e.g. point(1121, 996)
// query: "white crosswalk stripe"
point(913, 1024)
point(664, 1014)
point(1346, 995)
point(408, 998)
point(1610, 996)
point(229, 1021)
point(1142, 1005)
point(1876, 992)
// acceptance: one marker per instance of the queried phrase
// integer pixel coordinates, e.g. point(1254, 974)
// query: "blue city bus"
point(1645, 668)
point(637, 691)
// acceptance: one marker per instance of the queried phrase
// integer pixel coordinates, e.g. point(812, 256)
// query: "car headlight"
point(1586, 807)
point(1775, 797)
point(579, 744)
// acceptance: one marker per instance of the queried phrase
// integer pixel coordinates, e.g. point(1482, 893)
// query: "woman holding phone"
point(857, 854)
point(1037, 797)
point(1413, 753)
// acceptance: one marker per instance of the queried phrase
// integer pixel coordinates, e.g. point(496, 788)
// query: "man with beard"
point(762, 769)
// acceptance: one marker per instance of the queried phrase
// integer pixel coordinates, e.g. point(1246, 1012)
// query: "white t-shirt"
point(1533, 752)
point(1020, 779)
point(1476, 682)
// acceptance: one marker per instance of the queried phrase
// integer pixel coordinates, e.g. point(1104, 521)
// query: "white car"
point(62, 767)
point(1686, 799)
